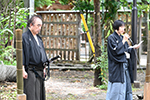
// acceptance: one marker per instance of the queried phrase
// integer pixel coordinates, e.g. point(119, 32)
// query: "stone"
point(136, 84)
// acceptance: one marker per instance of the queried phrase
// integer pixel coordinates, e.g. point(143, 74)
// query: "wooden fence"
point(60, 34)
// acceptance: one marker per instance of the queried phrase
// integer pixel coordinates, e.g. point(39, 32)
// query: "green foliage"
point(110, 16)
point(64, 2)
point(108, 5)
point(142, 7)
point(102, 64)
point(41, 3)
point(7, 55)
point(12, 18)
point(103, 86)
point(83, 5)
point(90, 23)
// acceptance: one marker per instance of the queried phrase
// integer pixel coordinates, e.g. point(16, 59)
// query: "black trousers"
point(34, 86)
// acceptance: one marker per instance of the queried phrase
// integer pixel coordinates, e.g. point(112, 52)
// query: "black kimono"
point(116, 58)
point(120, 69)
point(33, 57)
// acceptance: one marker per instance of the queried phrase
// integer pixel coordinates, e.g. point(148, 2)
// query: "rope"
point(48, 73)
point(20, 90)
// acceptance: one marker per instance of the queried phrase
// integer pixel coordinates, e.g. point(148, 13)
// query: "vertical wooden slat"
point(78, 39)
point(57, 31)
point(65, 33)
point(46, 29)
point(43, 28)
point(73, 40)
point(53, 38)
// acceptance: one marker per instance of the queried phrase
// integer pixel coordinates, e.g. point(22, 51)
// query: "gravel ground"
point(78, 85)
point(70, 85)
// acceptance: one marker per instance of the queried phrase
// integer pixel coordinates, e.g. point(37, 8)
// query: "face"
point(121, 29)
point(36, 27)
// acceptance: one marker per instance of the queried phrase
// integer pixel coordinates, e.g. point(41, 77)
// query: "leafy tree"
point(41, 3)
point(12, 16)
point(83, 5)
point(97, 43)
point(107, 19)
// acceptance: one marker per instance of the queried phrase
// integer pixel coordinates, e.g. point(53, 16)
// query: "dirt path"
point(69, 85)
point(78, 85)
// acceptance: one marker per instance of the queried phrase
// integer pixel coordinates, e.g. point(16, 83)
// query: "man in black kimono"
point(119, 64)
point(33, 58)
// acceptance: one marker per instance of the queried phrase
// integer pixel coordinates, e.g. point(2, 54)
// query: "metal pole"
point(31, 8)
point(20, 95)
point(88, 34)
point(29, 4)
point(134, 34)
point(26, 5)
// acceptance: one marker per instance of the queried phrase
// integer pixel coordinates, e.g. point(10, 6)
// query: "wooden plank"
point(66, 34)
point(49, 34)
point(46, 30)
point(42, 31)
point(53, 39)
point(59, 22)
point(62, 36)
point(61, 32)
point(73, 40)
point(69, 40)
point(54, 49)
point(78, 39)
point(57, 33)
point(146, 91)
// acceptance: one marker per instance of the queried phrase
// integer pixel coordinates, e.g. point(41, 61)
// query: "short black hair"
point(31, 20)
point(117, 24)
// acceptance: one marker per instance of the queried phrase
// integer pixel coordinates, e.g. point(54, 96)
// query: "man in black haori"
point(33, 58)
point(119, 64)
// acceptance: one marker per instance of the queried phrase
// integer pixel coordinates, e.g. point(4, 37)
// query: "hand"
point(125, 38)
point(25, 75)
point(44, 71)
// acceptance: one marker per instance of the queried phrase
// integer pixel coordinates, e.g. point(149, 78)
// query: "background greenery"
point(13, 15)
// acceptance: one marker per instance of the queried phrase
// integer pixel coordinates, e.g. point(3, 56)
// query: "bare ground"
point(78, 85)
point(70, 85)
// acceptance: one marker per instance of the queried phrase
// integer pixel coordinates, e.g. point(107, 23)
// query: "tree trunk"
point(97, 80)
point(7, 73)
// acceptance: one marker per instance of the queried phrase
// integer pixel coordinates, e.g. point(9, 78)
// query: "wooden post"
point(20, 95)
point(147, 78)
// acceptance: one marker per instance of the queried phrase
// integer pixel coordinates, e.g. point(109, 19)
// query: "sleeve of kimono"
point(25, 45)
point(116, 50)
point(117, 47)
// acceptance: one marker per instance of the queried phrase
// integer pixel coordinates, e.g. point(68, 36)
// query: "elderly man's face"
point(36, 27)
